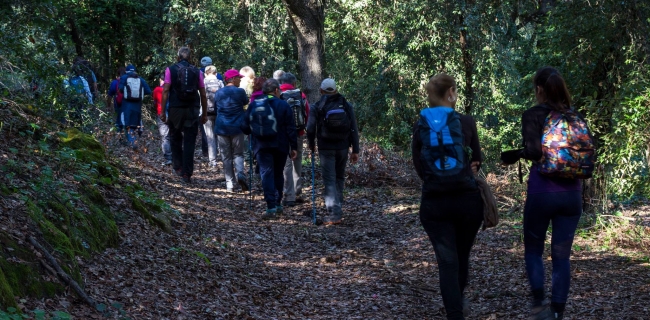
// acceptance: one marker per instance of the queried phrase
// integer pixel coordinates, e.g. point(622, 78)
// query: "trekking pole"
point(313, 189)
point(250, 173)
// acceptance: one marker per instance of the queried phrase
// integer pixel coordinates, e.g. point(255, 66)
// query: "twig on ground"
point(62, 275)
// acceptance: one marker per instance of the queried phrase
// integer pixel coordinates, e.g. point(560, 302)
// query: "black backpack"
point(297, 104)
point(263, 124)
point(187, 82)
point(335, 122)
point(446, 162)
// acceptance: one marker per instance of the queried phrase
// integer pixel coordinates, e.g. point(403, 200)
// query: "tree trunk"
point(308, 24)
point(74, 33)
point(468, 66)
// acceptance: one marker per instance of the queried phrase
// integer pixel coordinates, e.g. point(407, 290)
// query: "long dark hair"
point(555, 90)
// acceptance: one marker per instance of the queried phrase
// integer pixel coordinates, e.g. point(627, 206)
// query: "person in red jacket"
point(162, 127)
point(293, 167)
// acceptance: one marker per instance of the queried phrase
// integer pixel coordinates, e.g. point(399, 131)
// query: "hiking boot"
point(269, 214)
point(279, 209)
point(542, 312)
point(167, 162)
point(178, 172)
point(241, 179)
point(186, 178)
point(558, 315)
point(332, 220)
point(289, 203)
point(300, 200)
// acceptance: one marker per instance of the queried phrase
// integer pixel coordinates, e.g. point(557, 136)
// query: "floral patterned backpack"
point(567, 146)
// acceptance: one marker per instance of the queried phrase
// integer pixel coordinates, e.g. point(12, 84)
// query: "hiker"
point(182, 81)
point(257, 88)
point(163, 128)
point(277, 74)
point(134, 88)
point(248, 77)
point(451, 208)
point(84, 68)
point(229, 102)
point(114, 92)
point(550, 199)
point(212, 85)
point(207, 61)
point(205, 152)
point(78, 90)
point(332, 121)
point(269, 122)
point(300, 109)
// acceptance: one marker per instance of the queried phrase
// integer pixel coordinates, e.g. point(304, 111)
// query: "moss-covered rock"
point(89, 150)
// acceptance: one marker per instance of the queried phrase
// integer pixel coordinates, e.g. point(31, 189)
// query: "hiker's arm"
point(475, 145)
point(416, 145)
point(354, 136)
point(204, 106)
point(163, 102)
point(531, 133)
point(246, 124)
point(147, 89)
point(290, 127)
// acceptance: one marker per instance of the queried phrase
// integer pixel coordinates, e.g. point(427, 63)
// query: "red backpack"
point(119, 96)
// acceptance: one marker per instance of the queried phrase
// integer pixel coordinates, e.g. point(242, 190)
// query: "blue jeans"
point(451, 222)
point(271, 162)
point(332, 163)
point(563, 210)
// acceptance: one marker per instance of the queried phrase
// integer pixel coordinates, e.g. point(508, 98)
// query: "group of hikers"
point(244, 118)
point(238, 112)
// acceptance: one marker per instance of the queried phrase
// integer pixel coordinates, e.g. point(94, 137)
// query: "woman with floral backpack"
point(557, 140)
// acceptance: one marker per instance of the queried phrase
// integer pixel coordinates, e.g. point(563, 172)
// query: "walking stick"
point(313, 189)
point(250, 173)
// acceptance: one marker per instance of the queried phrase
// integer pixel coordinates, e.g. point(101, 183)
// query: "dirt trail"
point(222, 262)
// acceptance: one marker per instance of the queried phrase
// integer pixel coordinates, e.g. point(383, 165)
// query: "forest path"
point(222, 262)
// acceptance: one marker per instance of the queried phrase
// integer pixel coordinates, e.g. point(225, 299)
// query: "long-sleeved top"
point(286, 138)
point(229, 104)
point(470, 137)
point(532, 129)
point(157, 99)
point(112, 91)
point(315, 123)
point(284, 87)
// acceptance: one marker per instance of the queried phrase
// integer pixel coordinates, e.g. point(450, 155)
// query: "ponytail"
point(555, 90)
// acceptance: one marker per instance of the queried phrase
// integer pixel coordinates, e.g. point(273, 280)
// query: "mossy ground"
point(69, 217)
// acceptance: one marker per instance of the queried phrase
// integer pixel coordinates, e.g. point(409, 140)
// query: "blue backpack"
point(446, 162)
point(263, 123)
point(77, 85)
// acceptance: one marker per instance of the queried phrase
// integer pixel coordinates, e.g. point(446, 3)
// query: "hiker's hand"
point(294, 154)
point(475, 165)
point(354, 158)
point(204, 118)
point(163, 118)
point(312, 149)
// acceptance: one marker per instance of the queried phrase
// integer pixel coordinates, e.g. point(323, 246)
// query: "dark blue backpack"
point(77, 85)
point(263, 124)
point(446, 163)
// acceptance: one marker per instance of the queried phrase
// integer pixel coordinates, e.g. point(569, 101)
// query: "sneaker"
point(556, 314)
point(178, 172)
point(332, 220)
point(241, 179)
point(269, 214)
point(229, 190)
point(186, 178)
point(279, 209)
point(289, 203)
point(167, 162)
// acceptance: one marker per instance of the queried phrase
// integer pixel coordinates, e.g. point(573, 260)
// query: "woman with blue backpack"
point(558, 142)
point(446, 155)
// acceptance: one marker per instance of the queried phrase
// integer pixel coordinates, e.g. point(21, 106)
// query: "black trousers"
point(183, 129)
point(451, 222)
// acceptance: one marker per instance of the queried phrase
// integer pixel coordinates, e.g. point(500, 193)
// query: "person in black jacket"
point(549, 200)
point(334, 142)
point(271, 153)
point(450, 218)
